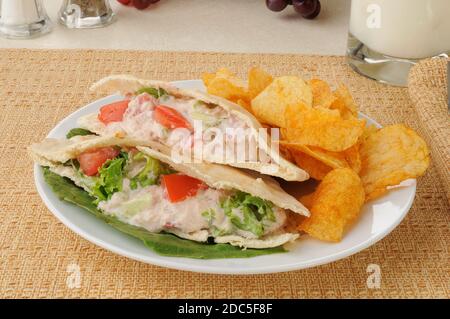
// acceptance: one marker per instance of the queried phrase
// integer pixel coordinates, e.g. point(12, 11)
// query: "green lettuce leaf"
point(110, 179)
point(156, 93)
point(151, 172)
point(162, 243)
point(78, 131)
point(255, 212)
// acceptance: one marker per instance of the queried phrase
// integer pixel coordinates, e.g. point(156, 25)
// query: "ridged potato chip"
point(323, 128)
point(389, 156)
point(307, 200)
point(353, 157)
point(368, 130)
point(334, 206)
point(225, 73)
point(244, 104)
point(258, 80)
point(225, 84)
point(285, 152)
point(207, 78)
point(322, 94)
point(286, 91)
point(344, 102)
point(331, 159)
point(315, 168)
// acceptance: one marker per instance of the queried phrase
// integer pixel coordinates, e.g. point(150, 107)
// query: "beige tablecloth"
point(40, 88)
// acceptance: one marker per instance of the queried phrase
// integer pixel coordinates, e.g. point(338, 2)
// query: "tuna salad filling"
point(142, 191)
point(179, 122)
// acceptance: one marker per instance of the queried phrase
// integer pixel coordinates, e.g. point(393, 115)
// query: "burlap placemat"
point(40, 88)
point(427, 86)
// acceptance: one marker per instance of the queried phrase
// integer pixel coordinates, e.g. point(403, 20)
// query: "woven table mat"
point(39, 88)
point(427, 86)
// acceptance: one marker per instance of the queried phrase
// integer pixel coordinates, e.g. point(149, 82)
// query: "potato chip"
point(322, 95)
point(286, 153)
point(292, 222)
point(344, 103)
point(315, 168)
point(335, 205)
point(229, 88)
point(258, 80)
point(244, 104)
point(207, 78)
point(389, 156)
point(225, 73)
point(323, 128)
point(368, 130)
point(307, 200)
point(286, 91)
point(226, 84)
point(331, 159)
point(353, 157)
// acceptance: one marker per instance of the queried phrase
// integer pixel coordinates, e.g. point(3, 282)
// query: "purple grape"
point(305, 7)
point(315, 13)
point(276, 5)
point(143, 4)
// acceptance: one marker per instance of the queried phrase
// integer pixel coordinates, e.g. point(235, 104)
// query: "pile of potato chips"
point(322, 134)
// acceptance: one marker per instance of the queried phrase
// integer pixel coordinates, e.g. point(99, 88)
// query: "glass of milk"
point(387, 37)
point(23, 19)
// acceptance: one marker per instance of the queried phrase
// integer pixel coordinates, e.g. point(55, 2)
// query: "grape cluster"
point(309, 9)
point(138, 4)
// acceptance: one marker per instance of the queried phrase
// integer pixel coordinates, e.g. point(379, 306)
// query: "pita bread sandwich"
point(197, 210)
point(183, 119)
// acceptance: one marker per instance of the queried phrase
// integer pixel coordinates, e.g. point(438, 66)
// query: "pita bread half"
point(52, 151)
point(268, 241)
point(123, 84)
point(55, 152)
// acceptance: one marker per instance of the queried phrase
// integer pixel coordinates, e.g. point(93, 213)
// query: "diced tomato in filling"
point(169, 225)
point(144, 97)
point(170, 118)
point(179, 187)
point(113, 112)
point(132, 150)
point(91, 161)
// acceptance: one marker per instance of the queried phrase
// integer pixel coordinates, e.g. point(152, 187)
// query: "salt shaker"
point(23, 19)
point(86, 13)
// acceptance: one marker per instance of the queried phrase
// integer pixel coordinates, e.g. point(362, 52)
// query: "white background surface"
point(205, 25)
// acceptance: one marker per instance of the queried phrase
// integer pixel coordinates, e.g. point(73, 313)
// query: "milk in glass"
point(387, 37)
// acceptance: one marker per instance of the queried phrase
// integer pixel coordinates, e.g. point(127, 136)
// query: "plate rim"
point(39, 184)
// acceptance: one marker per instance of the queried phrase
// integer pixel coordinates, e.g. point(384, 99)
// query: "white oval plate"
point(378, 219)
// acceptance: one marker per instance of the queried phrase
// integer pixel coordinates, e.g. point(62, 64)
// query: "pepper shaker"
point(86, 13)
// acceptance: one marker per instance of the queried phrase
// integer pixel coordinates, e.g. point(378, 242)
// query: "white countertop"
point(205, 25)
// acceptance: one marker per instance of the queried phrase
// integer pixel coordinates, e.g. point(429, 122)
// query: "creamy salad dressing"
point(138, 121)
point(156, 212)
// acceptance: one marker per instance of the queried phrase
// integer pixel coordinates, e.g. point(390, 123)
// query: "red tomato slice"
point(113, 112)
point(179, 187)
point(170, 118)
point(91, 161)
